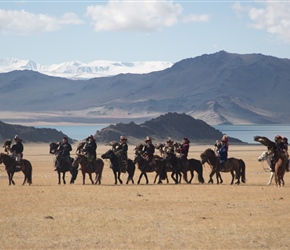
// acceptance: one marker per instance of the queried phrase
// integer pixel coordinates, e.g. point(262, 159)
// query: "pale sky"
point(50, 31)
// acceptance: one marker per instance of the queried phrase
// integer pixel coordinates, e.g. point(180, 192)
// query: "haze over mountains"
point(220, 88)
point(80, 70)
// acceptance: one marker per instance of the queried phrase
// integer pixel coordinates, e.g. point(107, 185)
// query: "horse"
point(280, 157)
point(265, 156)
point(115, 165)
point(191, 166)
point(157, 166)
point(232, 165)
point(168, 166)
point(10, 168)
point(86, 168)
point(62, 166)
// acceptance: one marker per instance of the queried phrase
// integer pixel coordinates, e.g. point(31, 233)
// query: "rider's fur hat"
point(91, 137)
point(186, 139)
point(148, 139)
point(123, 138)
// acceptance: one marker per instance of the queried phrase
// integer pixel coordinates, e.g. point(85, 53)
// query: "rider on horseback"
point(122, 153)
point(223, 153)
point(17, 150)
point(89, 149)
point(169, 148)
point(280, 146)
point(148, 151)
point(183, 151)
point(64, 149)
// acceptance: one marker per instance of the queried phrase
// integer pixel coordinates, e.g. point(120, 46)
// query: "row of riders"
point(174, 159)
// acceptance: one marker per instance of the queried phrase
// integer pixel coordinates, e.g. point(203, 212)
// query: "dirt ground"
point(46, 215)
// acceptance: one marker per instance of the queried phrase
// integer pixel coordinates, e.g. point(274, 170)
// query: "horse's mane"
point(208, 152)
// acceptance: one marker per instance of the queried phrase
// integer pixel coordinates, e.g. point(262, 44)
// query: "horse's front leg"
point(58, 178)
point(10, 178)
point(155, 177)
point(210, 176)
point(115, 175)
point(63, 178)
point(84, 177)
point(271, 178)
point(90, 175)
point(146, 177)
point(119, 177)
point(140, 178)
point(173, 178)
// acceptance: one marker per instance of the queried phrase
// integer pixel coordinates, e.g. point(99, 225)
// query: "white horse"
point(265, 156)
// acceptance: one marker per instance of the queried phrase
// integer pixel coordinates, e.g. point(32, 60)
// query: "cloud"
point(272, 17)
point(139, 16)
point(23, 22)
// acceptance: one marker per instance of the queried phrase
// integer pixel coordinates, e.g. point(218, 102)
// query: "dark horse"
point(158, 166)
point(191, 166)
point(87, 168)
point(10, 168)
point(115, 165)
point(232, 165)
point(62, 166)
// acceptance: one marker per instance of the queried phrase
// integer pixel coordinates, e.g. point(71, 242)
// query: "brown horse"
point(279, 157)
point(232, 165)
point(10, 168)
point(87, 169)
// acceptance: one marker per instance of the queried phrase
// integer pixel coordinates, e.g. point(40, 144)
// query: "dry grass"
point(50, 216)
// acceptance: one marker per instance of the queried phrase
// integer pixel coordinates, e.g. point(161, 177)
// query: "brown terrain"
point(46, 215)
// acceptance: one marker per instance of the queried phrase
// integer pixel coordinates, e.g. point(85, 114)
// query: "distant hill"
point(30, 134)
point(173, 125)
point(219, 88)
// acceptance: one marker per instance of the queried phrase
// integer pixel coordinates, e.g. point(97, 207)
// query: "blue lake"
point(242, 132)
point(247, 132)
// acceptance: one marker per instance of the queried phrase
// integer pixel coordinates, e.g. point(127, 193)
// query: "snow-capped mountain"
point(80, 70)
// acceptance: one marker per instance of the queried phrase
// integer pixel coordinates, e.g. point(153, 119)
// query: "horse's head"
point(53, 147)
point(207, 155)
point(113, 144)
point(264, 156)
point(79, 159)
point(139, 147)
point(108, 154)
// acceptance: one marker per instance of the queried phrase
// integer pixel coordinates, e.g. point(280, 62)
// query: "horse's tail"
point(200, 173)
point(242, 166)
point(28, 172)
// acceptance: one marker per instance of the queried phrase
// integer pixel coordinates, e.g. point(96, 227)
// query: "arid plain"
point(46, 215)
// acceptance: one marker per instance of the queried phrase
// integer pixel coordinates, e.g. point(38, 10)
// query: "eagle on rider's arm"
point(265, 141)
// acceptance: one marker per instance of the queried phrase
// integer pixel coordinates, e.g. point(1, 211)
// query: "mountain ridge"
point(79, 70)
point(219, 88)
